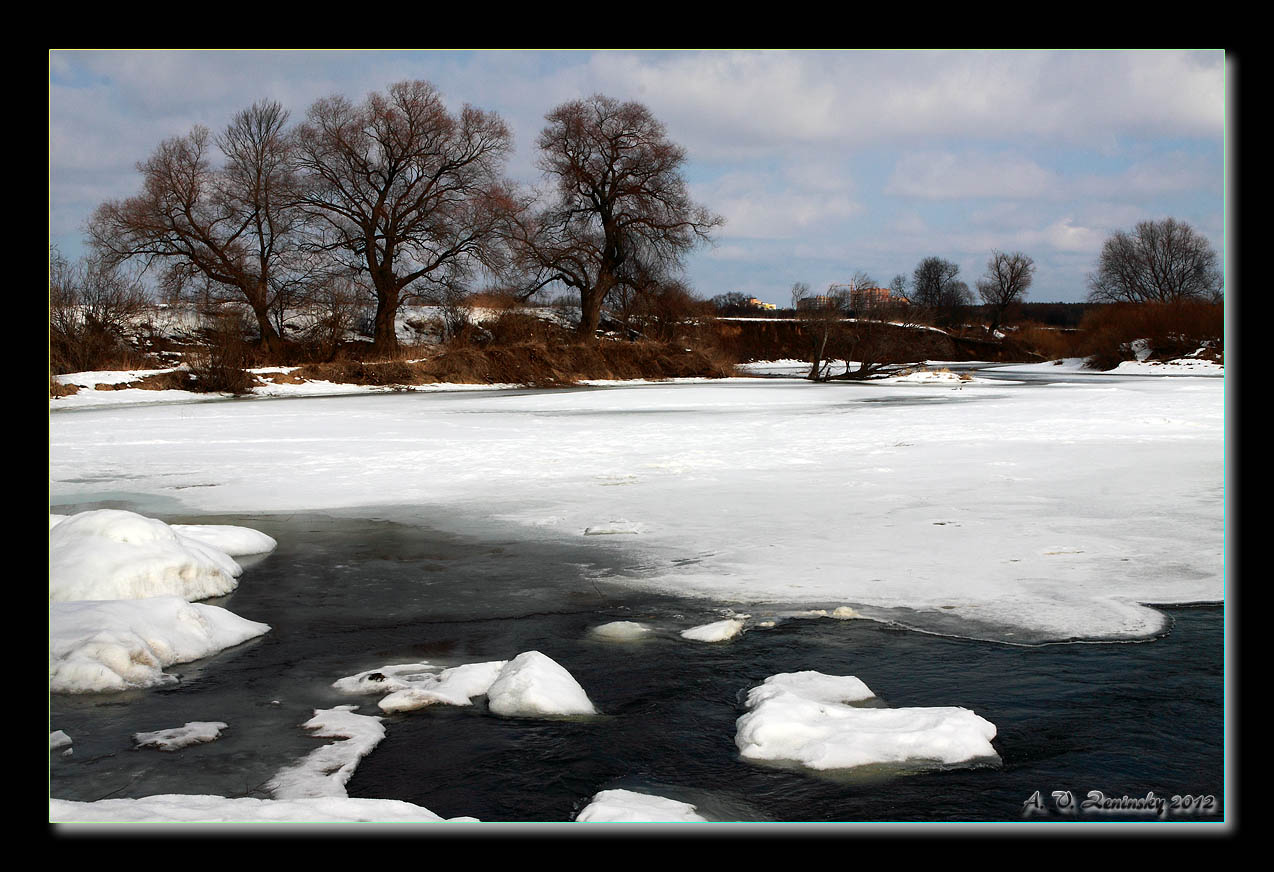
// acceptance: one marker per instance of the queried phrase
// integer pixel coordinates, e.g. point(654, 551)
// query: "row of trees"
point(399, 198)
point(1163, 261)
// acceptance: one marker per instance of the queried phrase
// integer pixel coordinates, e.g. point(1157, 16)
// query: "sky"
point(823, 163)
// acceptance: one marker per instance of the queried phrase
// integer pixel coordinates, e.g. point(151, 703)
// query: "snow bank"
point(220, 809)
point(114, 645)
point(326, 770)
point(808, 718)
point(229, 539)
point(627, 806)
point(109, 554)
point(719, 631)
point(175, 738)
point(533, 685)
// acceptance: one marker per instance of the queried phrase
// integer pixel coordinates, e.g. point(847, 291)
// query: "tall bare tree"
point(620, 206)
point(406, 191)
point(1158, 262)
point(1005, 282)
point(232, 224)
point(937, 289)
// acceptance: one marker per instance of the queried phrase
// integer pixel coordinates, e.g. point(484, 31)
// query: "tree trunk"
point(385, 334)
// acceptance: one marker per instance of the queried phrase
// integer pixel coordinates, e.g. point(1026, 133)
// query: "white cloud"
point(942, 176)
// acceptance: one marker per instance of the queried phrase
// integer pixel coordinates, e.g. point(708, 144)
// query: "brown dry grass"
point(537, 364)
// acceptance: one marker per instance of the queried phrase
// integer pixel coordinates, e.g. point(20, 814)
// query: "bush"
point(221, 365)
point(1172, 330)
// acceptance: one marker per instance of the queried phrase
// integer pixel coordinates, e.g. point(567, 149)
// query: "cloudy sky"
point(823, 163)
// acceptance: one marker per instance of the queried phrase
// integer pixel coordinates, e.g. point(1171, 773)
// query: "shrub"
point(1171, 329)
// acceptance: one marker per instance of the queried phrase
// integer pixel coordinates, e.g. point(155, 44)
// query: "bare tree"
point(620, 207)
point(233, 225)
point(409, 193)
point(1005, 282)
point(835, 336)
point(937, 290)
point(1160, 261)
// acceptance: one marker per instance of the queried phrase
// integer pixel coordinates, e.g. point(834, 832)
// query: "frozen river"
point(454, 528)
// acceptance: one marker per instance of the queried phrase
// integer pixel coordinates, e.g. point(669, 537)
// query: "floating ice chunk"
point(59, 739)
point(235, 541)
point(118, 644)
point(533, 685)
point(193, 733)
point(621, 631)
point(719, 631)
point(109, 554)
point(844, 613)
point(812, 685)
point(803, 717)
point(386, 679)
point(326, 770)
point(627, 806)
point(455, 686)
point(177, 807)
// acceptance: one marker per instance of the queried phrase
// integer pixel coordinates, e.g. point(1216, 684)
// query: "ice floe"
point(534, 685)
point(176, 738)
point(621, 631)
point(809, 718)
point(718, 631)
point(58, 740)
point(627, 806)
point(529, 685)
point(326, 770)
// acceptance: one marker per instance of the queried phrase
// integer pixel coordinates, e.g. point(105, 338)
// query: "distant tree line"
point(397, 200)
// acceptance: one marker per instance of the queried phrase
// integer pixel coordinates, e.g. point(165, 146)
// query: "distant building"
point(821, 301)
point(862, 299)
point(758, 304)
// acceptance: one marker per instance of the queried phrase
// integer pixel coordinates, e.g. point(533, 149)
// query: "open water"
point(344, 595)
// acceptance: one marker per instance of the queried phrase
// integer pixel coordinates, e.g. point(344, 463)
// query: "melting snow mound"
point(621, 631)
point(110, 554)
point(627, 806)
point(120, 644)
point(805, 718)
point(533, 685)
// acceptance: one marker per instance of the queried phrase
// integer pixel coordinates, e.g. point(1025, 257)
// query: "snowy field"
point(1052, 505)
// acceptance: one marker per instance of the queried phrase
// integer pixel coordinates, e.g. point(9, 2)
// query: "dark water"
point(346, 595)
